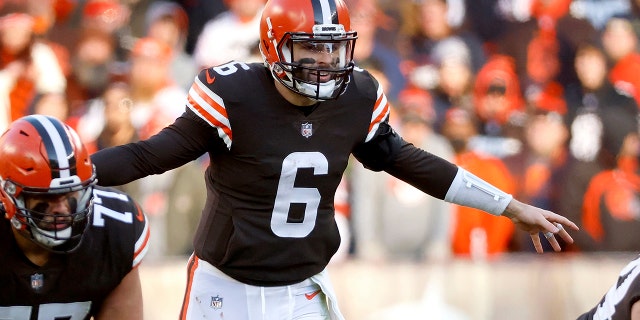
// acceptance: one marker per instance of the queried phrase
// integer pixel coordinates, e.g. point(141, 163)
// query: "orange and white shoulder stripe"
point(210, 107)
point(142, 244)
point(380, 113)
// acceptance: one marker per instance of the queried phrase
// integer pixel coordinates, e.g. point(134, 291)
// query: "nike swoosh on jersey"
point(210, 79)
point(139, 214)
point(142, 245)
point(311, 295)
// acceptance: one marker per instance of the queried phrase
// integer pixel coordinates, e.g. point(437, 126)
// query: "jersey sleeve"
point(380, 115)
point(208, 105)
point(384, 149)
point(185, 140)
point(141, 235)
point(423, 170)
point(617, 302)
point(380, 143)
point(121, 229)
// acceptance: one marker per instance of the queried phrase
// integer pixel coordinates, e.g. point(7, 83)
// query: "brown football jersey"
point(74, 285)
point(274, 168)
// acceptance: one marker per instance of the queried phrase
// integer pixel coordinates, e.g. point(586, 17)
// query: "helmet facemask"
point(59, 232)
point(316, 65)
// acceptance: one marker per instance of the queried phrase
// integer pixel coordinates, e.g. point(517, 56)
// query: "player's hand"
point(535, 220)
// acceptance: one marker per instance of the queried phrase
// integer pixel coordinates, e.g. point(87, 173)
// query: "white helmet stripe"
point(325, 11)
point(58, 150)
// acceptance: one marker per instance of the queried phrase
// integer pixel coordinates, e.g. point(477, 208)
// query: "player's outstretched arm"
point(535, 220)
point(125, 301)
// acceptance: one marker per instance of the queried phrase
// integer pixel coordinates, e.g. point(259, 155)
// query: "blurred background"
point(538, 97)
point(523, 287)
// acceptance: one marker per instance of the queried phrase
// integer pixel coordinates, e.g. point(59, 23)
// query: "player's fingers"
point(548, 226)
point(553, 241)
point(563, 233)
point(563, 221)
point(535, 238)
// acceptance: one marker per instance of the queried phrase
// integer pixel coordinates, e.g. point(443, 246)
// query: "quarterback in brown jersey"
point(279, 136)
point(69, 249)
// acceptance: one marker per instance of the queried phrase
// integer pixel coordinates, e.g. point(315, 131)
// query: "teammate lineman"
point(622, 300)
point(279, 136)
point(69, 250)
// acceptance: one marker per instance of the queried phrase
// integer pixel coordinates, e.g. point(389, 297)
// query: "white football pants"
point(211, 294)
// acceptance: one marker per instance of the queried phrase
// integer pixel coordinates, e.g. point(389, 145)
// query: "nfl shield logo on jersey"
point(216, 302)
point(306, 130)
point(37, 281)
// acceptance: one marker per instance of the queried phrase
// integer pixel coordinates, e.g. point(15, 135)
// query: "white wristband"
point(470, 191)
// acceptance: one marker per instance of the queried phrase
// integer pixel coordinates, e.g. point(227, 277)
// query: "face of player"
point(318, 59)
point(52, 212)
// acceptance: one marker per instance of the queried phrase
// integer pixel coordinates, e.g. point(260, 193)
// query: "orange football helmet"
point(322, 27)
point(43, 159)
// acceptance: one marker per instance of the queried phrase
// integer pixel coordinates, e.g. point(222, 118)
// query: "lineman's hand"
point(535, 220)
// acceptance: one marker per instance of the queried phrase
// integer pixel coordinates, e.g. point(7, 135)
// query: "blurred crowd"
point(539, 97)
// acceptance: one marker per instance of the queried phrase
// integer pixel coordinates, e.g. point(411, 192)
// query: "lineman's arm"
point(635, 311)
point(125, 301)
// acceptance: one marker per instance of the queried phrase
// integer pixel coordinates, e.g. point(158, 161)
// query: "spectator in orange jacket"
point(475, 234)
point(611, 208)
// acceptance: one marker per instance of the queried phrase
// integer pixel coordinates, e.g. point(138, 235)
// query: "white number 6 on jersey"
point(288, 194)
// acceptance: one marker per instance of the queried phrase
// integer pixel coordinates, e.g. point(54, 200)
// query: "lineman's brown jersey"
point(74, 285)
point(616, 304)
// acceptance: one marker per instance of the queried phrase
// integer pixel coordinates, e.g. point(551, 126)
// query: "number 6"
point(288, 194)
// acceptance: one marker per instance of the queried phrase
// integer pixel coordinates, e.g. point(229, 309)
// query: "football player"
point(70, 250)
point(279, 135)
point(622, 301)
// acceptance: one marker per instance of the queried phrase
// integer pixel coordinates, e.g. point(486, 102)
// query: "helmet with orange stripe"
point(46, 182)
point(308, 46)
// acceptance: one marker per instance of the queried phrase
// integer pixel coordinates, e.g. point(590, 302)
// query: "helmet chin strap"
point(51, 238)
point(320, 91)
point(31, 239)
point(44, 238)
